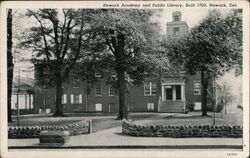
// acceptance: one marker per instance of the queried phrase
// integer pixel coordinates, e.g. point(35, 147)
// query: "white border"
point(123, 152)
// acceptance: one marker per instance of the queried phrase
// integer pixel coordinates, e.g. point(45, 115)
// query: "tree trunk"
point(59, 106)
point(204, 83)
point(123, 113)
point(9, 61)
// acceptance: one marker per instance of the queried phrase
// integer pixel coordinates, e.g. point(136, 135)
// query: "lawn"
point(194, 118)
point(228, 119)
point(102, 121)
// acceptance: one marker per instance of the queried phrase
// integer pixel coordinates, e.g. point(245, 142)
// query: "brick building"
point(167, 94)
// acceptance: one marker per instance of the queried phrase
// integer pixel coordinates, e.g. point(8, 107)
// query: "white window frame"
point(98, 74)
point(176, 18)
point(150, 89)
point(198, 90)
point(110, 86)
point(73, 97)
point(111, 104)
point(150, 106)
point(96, 90)
point(100, 106)
point(64, 99)
point(114, 74)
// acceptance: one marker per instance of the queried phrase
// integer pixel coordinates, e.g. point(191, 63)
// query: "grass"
point(195, 118)
point(101, 121)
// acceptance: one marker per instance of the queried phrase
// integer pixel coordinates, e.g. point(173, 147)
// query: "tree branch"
point(64, 51)
point(79, 45)
point(43, 34)
point(62, 30)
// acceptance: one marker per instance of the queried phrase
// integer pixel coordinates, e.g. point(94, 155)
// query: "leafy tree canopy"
point(127, 40)
point(215, 45)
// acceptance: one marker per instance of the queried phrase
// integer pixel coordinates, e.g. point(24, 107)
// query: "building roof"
point(173, 81)
point(22, 88)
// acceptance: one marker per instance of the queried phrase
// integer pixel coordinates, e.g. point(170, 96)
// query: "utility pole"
point(87, 91)
point(18, 90)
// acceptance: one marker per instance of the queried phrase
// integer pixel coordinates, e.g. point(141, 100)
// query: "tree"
point(9, 61)
point(224, 95)
point(127, 42)
point(58, 40)
point(211, 48)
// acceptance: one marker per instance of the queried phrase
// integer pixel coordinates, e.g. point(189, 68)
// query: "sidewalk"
point(112, 138)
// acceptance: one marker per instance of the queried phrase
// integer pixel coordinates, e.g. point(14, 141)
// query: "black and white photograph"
point(124, 79)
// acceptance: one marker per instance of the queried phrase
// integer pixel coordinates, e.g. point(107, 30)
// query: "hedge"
point(130, 128)
point(75, 128)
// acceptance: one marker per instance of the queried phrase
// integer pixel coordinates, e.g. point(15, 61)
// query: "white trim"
point(80, 98)
point(98, 74)
point(98, 107)
point(96, 91)
point(196, 89)
point(174, 93)
point(64, 99)
point(150, 106)
point(183, 93)
point(150, 89)
point(72, 98)
point(163, 97)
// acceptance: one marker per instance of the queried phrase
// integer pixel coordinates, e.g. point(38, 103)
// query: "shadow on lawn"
point(187, 117)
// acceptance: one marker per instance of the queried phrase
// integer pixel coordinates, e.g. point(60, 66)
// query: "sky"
point(188, 15)
point(191, 16)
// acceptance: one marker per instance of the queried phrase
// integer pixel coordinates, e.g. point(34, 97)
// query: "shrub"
point(76, 128)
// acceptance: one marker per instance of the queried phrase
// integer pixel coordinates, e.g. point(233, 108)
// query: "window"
point(176, 18)
point(111, 107)
point(98, 75)
point(147, 89)
point(150, 88)
point(98, 107)
point(111, 90)
point(169, 92)
point(197, 90)
point(98, 90)
point(113, 74)
point(176, 31)
point(178, 92)
point(76, 82)
point(150, 106)
point(153, 88)
point(76, 99)
point(64, 99)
